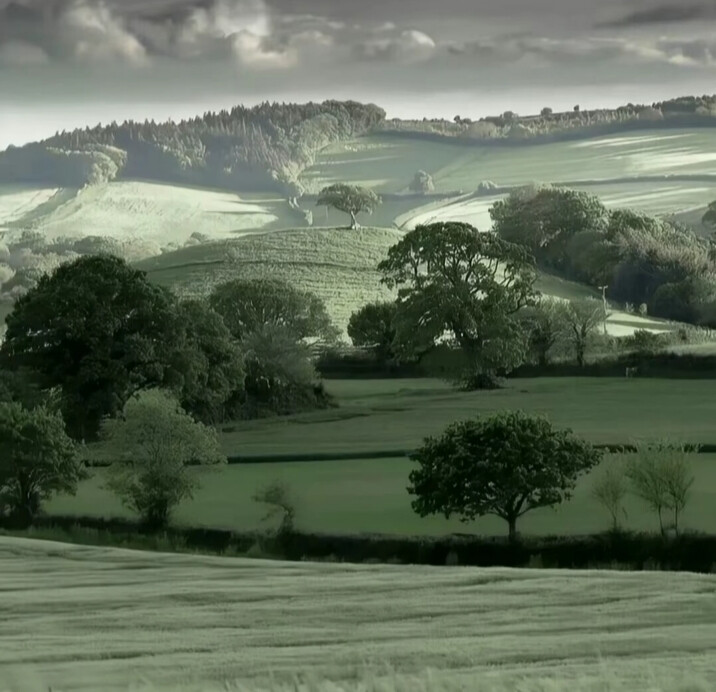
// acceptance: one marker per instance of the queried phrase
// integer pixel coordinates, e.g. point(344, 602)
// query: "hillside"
point(336, 264)
point(110, 618)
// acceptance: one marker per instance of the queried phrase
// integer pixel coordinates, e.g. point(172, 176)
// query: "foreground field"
point(77, 618)
point(369, 495)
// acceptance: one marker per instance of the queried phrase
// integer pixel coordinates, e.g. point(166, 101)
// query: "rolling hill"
point(78, 618)
point(336, 264)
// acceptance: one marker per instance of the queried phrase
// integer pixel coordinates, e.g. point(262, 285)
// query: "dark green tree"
point(37, 460)
point(458, 285)
point(99, 330)
point(206, 364)
point(505, 465)
point(545, 219)
point(350, 199)
point(373, 326)
point(249, 305)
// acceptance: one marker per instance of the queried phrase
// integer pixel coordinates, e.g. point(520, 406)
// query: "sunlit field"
point(18, 200)
point(338, 265)
point(80, 618)
point(384, 416)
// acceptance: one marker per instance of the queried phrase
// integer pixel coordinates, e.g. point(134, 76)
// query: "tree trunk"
point(354, 221)
point(580, 355)
point(512, 529)
point(661, 522)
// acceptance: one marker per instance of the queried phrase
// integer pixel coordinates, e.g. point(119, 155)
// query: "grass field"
point(357, 496)
point(338, 265)
point(388, 164)
point(147, 211)
point(18, 200)
point(82, 618)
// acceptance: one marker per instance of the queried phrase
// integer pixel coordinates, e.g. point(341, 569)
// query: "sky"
point(72, 63)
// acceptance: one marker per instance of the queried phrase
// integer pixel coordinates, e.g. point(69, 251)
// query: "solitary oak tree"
point(463, 287)
point(350, 199)
point(505, 465)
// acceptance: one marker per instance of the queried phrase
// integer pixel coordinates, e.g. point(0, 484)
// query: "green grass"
point(338, 265)
point(87, 618)
point(397, 414)
point(369, 495)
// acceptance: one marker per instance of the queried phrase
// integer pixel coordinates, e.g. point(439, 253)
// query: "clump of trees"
point(374, 327)
point(643, 260)
point(350, 199)
point(505, 465)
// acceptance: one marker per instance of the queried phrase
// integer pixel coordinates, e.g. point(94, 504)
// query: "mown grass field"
point(82, 618)
point(369, 495)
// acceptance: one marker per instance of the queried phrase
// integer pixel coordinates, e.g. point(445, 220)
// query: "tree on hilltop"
point(505, 465)
point(350, 199)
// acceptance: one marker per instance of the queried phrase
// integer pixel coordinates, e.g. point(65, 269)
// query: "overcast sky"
point(68, 63)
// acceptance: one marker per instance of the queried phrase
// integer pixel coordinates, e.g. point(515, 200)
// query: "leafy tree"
point(99, 330)
point(544, 219)
point(583, 317)
point(456, 283)
point(207, 363)
point(546, 111)
point(505, 465)
point(422, 183)
point(249, 305)
point(37, 460)
point(373, 326)
point(546, 323)
point(661, 477)
point(280, 376)
point(155, 442)
point(350, 199)
point(610, 488)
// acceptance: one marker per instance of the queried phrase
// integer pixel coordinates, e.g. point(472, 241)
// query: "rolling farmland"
point(105, 619)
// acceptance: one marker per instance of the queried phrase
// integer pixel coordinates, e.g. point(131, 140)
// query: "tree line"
point(260, 148)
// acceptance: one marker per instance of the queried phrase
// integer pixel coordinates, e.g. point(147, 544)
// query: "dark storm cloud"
point(664, 14)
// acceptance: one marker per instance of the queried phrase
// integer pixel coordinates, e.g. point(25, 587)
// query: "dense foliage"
point(642, 259)
point(373, 327)
point(506, 465)
point(97, 329)
point(156, 441)
point(464, 288)
point(37, 460)
point(259, 148)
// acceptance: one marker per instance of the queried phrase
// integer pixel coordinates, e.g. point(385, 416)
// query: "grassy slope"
point(369, 495)
point(336, 264)
point(81, 618)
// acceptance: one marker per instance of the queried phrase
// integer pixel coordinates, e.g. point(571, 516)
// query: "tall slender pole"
point(603, 289)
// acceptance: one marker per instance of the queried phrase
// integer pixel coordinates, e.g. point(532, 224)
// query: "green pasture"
point(377, 415)
point(369, 495)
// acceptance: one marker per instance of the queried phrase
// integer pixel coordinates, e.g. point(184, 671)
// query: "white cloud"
point(405, 46)
point(21, 54)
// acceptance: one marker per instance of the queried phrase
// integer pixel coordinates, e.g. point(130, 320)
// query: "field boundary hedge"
point(236, 460)
point(687, 552)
